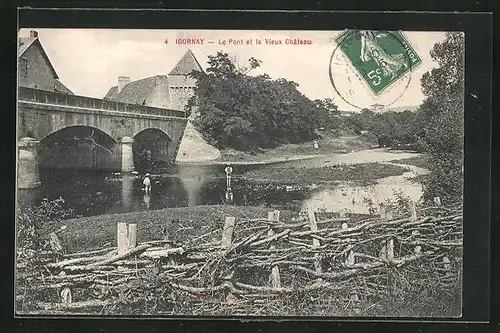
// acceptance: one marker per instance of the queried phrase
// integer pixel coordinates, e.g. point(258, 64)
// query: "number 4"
point(373, 75)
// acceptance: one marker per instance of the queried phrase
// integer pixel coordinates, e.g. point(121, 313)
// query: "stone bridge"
point(68, 131)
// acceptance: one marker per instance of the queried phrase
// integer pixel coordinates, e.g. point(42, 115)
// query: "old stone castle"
point(170, 91)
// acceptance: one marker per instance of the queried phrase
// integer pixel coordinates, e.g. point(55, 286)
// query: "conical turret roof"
point(186, 65)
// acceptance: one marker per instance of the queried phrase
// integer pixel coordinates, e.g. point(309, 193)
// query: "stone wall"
point(160, 96)
point(41, 96)
point(39, 74)
point(179, 96)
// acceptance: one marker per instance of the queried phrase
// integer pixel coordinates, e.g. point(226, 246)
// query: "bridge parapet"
point(48, 97)
point(42, 114)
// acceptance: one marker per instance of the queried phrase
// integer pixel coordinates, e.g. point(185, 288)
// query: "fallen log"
point(198, 290)
point(245, 241)
point(80, 268)
point(299, 243)
point(311, 232)
point(69, 262)
point(158, 253)
point(137, 262)
point(339, 275)
point(271, 238)
point(113, 282)
point(129, 252)
point(184, 267)
point(74, 305)
point(262, 289)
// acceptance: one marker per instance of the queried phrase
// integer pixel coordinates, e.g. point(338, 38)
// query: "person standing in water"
point(147, 183)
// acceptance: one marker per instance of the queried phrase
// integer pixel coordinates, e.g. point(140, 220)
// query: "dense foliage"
point(34, 247)
point(246, 112)
point(443, 115)
point(391, 128)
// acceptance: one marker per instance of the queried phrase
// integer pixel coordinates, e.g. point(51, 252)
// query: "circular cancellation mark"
point(369, 67)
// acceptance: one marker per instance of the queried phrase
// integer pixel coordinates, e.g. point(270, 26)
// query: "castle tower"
point(193, 147)
point(181, 85)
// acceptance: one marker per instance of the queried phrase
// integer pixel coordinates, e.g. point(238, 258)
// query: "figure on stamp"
point(372, 50)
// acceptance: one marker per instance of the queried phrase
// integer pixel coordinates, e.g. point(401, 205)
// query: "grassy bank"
point(363, 173)
point(326, 145)
point(182, 224)
point(409, 290)
point(418, 161)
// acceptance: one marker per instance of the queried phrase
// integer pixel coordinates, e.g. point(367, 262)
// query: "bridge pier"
point(28, 174)
point(127, 154)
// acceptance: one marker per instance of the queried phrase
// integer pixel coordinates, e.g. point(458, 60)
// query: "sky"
point(89, 61)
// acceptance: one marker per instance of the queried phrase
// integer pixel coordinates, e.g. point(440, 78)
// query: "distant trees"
point(390, 128)
point(442, 118)
point(247, 112)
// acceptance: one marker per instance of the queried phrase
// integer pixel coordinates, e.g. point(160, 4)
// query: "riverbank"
point(181, 224)
point(291, 152)
point(419, 161)
point(360, 174)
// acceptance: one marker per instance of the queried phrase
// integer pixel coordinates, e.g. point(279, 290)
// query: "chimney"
point(122, 82)
point(33, 34)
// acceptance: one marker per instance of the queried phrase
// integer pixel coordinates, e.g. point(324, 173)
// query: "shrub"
point(33, 249)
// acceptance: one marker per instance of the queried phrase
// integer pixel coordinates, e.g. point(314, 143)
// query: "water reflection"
point(107, 193)
point(147, 200)
point(359, 199)
point(193, 179)
point(127, 189)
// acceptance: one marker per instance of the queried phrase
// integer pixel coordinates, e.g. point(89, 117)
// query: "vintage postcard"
point(257, 173)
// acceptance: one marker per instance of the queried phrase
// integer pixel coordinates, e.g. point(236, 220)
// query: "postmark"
point(377, 66)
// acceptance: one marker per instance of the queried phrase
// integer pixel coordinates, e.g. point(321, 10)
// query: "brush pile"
point(261, 267)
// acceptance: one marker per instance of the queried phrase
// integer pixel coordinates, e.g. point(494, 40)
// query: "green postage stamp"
point(380, 57)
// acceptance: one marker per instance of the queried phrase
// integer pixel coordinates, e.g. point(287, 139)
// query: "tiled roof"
point(111, 94)
point(59, 87)
point(135, 92)
point(24, 43)
point(186, 65)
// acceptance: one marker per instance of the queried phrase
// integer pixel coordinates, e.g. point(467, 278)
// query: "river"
point(98, 193)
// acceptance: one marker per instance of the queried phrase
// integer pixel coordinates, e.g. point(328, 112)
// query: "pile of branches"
point(203, 277)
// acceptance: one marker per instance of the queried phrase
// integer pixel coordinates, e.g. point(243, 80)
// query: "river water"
point(98, 193)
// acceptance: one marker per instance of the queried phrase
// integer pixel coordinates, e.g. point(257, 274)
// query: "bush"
point(443, 115)
point(33, 249)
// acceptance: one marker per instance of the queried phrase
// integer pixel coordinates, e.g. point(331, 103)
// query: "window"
point(23, 67)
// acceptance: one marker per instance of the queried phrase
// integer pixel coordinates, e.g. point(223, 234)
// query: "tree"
point(443, 115)
point(329, 116)
point(247, 112)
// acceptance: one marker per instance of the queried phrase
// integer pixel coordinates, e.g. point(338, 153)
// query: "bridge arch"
point(79, 147)
point(65, 128)
point(151, 146)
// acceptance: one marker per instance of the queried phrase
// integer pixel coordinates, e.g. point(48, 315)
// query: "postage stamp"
point(380, 57)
